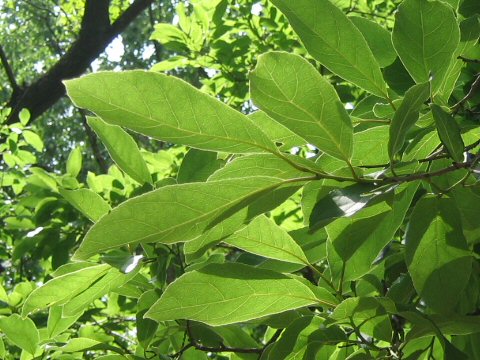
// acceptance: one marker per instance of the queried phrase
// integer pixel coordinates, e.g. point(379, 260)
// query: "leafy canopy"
point(338, 220)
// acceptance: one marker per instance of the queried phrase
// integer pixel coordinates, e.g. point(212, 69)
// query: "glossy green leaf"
point(425, 36)
point(290, 90)
point(62, 288)
point(174, 213)
point(331, 38)
point(122, 148)
point(265, 238)
point(406, 115)
point(168, 109)
point(87, 202)
point(436, 253)
point(74, 162)
point(449, 132)
point(21, 331)
point(83, 344)
point(378, 39)
point(220, 294)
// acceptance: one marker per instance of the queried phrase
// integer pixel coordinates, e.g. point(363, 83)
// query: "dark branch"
point(95, 34)
point(474, 61)
point(8, 70)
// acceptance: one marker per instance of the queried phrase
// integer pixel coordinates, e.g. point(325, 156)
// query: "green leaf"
point(62, 288)
point(74, 162)
point(276, 132)
point(57, 323)
point(370, 146)
point(220, 294)
point(449, 132)
point(406, 115)
point(437, 255)
point(355, 242)
point(331, 38)
point(21, 331)
point(174, 213)
point(122, 148)
point(265, 238)
point(111, 280)
point(303, 337)
point(24, 116)
point(83, 344)
point(378, 39)
point(33, 139)
point(291, 91)
point(87, 202)
point(425, 36)
point(168, 109)
point(198, 165)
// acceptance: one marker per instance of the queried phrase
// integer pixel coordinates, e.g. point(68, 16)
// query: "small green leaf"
point(220, 294)
point(122, 148)
point(406, 115)
point(331, 38)
point(74, 162)
point(437, 254)
point(33, 139)
point(449, 132)
point(21, 331)
point(24, 116)
point(292, 91)
point(168, 109)
point(425, 36)
point(87, 202)
point(62, 288)
point(265, 238)
point(378, 39)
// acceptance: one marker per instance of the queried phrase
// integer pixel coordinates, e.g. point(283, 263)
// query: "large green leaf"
point(436, 253)
point(175, 213)
point(355, 242)
point(265, 238)
point(168, 109)
point(87, 202)
point(406, 115)
point(62, 288)
point(290, 90)
point(378, 39)
point(220, 294)
point(331, 38)
point(21, 331)
point(425, 36)
point(122, 148)
point(371, 146)
point(449, 132)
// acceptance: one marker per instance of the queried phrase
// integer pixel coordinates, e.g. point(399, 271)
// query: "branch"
point(96, 33)
point(474, 61)
point(8, 70)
